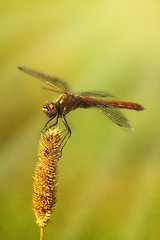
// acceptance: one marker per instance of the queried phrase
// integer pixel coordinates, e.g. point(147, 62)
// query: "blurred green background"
point(109, 178)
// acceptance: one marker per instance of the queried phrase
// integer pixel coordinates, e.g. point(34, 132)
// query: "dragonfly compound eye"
point(50, 109)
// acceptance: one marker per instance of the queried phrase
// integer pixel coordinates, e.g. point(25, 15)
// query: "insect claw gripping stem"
point(55, 124)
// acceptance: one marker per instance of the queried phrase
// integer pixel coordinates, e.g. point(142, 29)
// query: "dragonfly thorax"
point(50, 109)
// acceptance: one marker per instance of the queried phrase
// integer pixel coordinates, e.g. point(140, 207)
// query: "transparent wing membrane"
point(116, 116)
point(57, 84)
point(95, 94)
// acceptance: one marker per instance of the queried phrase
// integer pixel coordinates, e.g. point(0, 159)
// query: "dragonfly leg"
point(56, 123)
point(68, 134)
point(67, 128)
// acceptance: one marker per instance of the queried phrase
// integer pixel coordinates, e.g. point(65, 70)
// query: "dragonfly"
point(69, 101)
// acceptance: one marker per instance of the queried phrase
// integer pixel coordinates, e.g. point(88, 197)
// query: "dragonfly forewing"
point(57, 84)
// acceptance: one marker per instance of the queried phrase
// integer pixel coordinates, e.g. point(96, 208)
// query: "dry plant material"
point(46, 174)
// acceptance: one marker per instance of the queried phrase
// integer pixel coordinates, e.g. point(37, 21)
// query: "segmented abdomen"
point(128, 105)
point(86, 102)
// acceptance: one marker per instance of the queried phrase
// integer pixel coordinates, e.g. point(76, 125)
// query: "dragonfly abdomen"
point(90, 102)
point(127, 105)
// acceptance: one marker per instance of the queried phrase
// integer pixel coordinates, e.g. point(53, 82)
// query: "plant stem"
point(41, 233)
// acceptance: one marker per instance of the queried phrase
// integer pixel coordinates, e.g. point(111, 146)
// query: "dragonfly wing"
point(116, 116)
point(95, 94)
point(57, 84)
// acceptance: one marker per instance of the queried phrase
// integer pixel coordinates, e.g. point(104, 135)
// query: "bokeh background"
point(109, 178)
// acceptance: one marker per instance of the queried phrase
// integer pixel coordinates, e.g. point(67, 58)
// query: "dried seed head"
point(45, 177)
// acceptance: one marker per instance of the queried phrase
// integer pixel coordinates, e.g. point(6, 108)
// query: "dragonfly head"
point(50, 109)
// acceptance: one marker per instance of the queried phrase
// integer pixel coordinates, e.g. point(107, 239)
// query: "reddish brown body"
point(68, 101)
